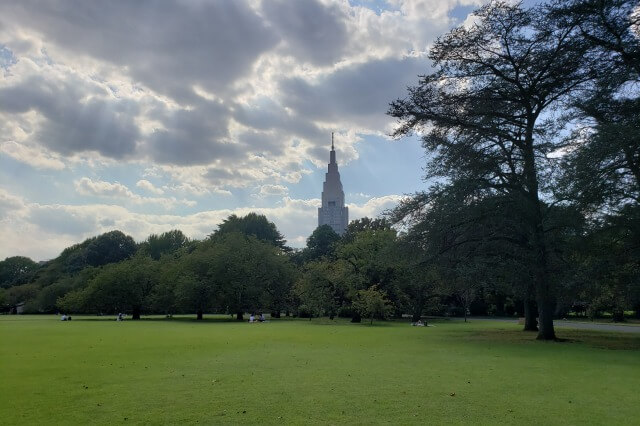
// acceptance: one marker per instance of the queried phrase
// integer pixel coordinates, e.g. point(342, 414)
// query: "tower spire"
point(333, 212)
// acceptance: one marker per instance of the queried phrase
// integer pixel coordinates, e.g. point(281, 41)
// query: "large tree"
point(16, 270)
point(603, 167)
point(321, 243)
point(165, 243)
point(125, 286)
point(487, 114)
point(253, 224)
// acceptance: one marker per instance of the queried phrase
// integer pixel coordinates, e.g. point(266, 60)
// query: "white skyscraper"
point(333, 212)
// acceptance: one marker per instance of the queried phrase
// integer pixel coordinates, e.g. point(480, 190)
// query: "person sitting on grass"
point(252, 318)
point(261, 319)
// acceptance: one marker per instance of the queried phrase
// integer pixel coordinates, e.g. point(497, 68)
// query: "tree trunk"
point(356, 318)
point(371, 323)
point(500, 305)
point(136, 313)
point(530, 311)
point(543, 286)
point(240, 316)
point(199, 314)
point(417, 309)
point(618, 315)
point(637, 309)
point(545, 315)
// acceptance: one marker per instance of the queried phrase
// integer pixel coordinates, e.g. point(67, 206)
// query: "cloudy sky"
point(147, 116)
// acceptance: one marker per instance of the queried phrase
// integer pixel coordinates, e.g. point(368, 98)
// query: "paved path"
point(621, 328)
point(595, 326)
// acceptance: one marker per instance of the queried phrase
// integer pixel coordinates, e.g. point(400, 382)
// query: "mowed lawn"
point(99, 371)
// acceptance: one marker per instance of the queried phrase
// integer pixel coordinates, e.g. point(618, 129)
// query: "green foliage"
point(609, 265)
point(232, 273)
point(487, 113)
point(321, 243)
point(602, 170)
point(118, 287)
point(21, 293)
point(165, 243)
point(372, 303)
point(319, 289)
point(372, 257)
point(110, 247)
point(16, 270)
point(365, 224)
point(252, 224)
point(3, 299)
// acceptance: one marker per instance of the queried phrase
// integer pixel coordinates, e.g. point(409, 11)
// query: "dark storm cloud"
point(263, 143)
point(360, 93)
point(233, 176)
point(313, 32)
point(73, 124)
point(164, 44)
point(194, 136)
point(266, 114)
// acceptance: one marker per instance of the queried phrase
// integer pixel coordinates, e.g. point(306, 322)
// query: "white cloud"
point(205, 97)
point(32, 156)
point(99, 188)
point(58, 226)
point(288, 74)
point(270, 190)
point(148, 186)
point(373, 207)
point(86, 186)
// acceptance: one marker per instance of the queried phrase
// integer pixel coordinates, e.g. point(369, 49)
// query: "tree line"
point(530, 120)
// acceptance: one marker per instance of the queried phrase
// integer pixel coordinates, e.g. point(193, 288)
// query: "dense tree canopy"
point(530, 119)
point(252, 224)
point(16, 270)
point(488, 116)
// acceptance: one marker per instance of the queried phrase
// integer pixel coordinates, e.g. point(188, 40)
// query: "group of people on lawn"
point(260, 318)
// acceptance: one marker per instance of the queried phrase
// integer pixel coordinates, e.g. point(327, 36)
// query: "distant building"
point(333, 212)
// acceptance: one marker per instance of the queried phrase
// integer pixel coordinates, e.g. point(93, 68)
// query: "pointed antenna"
point(332, 141)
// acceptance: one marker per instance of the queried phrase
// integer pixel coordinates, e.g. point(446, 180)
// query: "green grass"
point(295, 371)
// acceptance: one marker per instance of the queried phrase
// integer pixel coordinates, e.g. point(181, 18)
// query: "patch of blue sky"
point(30, 183)
point(7, 59)
point(461, 12)
point(383, 168)
point(378, 6)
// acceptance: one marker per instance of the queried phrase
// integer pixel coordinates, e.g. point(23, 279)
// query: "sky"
point(152, 115)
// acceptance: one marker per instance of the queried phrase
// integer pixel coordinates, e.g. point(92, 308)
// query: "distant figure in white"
point(252, 318)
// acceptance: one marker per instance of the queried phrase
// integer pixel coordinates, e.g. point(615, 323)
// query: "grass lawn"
point(98, 371)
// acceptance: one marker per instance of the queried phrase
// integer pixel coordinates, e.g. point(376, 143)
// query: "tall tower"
point(333, 212)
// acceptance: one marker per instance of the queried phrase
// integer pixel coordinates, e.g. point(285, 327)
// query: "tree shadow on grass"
point(596, 339)
point(176, 319)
